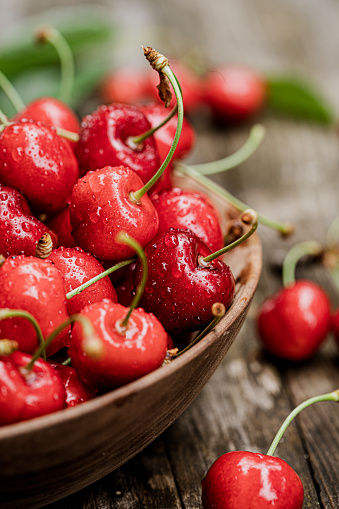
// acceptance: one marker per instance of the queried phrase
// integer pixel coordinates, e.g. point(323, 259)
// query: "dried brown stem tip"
point(289, 229)
point(2, 260)
point(158, 62)
point(249, 216)
point(44, 34)
point(44, 246)
point(218, 309)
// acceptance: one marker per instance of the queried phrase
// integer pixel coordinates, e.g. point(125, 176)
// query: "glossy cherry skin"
point(127, 354)
point(39, 163)
point(242, 479)
point(235, 93)
point(294, 322)
point(36, 286)
point(20, 231)
point(50, 111)
point(76, 390)
point(183, 208)
point(76, 268)
point(105, 140)
point(60, 224)
point(24, 396)
point(100, 208)
point(181, 288)
point(156, 113)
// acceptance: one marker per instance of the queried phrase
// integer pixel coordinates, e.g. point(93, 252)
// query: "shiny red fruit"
point(181, 288)
point(20, 231)
point(76, 390)
point(50, 111)
point(294, 322)
point(183, 208)
point(61, 226)
point(127, 353)
point(242, 479)
point(39, 163)
point(27, 395)
point(235, 93)
point(100, 208)
point(33, 285)
point(106, 140)
point(76, 268)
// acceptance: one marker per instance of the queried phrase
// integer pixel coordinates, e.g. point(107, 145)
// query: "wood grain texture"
point(293, 176)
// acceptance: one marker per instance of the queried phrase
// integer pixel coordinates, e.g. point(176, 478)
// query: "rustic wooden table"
point(294, 176)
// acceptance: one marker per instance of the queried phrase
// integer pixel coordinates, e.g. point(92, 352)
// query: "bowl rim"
point(238, 306)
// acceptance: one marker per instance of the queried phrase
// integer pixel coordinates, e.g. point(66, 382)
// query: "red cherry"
point(76, 390)
point(235, 92)
point(100, 207)
point(39, 163)
point(50, 111)
point(106, 140)
point(295, 321)
point(179, 208)
point(35, 286)
point(242, 479)
point(128, 353)
point(20, 232)
point(61, 225)
point(25, 395)
point(77, 267)
point(181, 287)
point(125, 85)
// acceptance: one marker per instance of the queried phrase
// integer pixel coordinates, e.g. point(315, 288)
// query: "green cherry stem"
point(311, 247)
point(124, 238)
point(218, 311)
point(20, 313)
point(52, 36)
point(183, 169)
point(160, 64)
point(147, 134)
point(107, 272)
point(331, 396)
point(11, 92)
point(4, 120)
point(250, 217)
point(94, 346)
point(256, 136)
point(68, 135)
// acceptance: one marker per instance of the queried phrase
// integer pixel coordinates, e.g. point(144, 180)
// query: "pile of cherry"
point(76, 200)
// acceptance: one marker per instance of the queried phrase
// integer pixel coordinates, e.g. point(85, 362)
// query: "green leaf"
point(82, 27)
point(299, 99)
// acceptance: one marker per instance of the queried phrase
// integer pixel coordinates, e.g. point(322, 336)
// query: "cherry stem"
point(147, 134)
point(68, 135)
point(249, 216)
point(3, 119)
point(8, 346)
point(284, 228)
point(67, 362)
point(137, 195)
point(90, 282)
point(256, 136)
point(89, 333)
point(52, 36)
point(124, 238)
point(20, 313)
point(11, 92)
point(218, 310)
point(311, 247)
point(331, 396)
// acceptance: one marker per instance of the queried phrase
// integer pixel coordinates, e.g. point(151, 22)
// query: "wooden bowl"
point(50, 457)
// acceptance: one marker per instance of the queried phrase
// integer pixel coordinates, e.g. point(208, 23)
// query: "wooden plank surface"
point(294, 176)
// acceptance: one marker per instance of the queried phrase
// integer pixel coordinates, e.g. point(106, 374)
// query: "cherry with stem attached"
point(246, 479)
point(294, 322)
point(134, 342)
